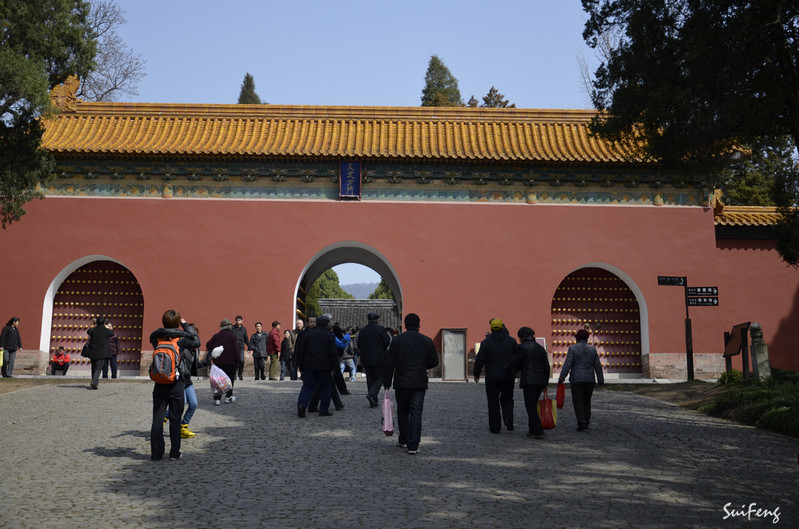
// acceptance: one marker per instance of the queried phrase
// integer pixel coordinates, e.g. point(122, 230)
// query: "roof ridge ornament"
point(716, 203)
point(64, 96)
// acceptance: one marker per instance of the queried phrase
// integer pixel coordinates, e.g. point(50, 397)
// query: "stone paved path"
point(74, 458)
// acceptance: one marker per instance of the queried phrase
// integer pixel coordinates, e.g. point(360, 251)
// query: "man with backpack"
point(166, 370)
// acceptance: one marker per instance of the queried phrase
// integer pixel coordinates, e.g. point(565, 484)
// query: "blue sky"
point(357, 53)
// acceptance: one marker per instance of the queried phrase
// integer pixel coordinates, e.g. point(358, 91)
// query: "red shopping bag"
point(547, 412)
point(560, 395)
point(388, 415)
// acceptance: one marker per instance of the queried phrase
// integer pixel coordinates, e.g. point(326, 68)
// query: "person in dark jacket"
point(409, 357)
point(171, 396)
point(113, 347)
point(373, 340)
point(228, 360)
point(244, 343)
point(496, 351)
point(317, 358)
point(10, 342)
point(258, 346)
point(98, 345)
point(286, 354)
point(531, 359)
point(583, 362)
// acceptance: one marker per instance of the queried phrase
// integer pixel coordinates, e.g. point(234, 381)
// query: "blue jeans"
point(310, 378)
point(410, 403)
point(190, 394)
point(191, 401)
point(348, 363)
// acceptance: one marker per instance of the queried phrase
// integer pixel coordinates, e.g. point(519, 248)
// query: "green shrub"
point(731, 377)
point(771, 404)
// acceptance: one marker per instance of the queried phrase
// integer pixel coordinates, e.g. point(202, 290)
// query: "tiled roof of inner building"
point(410, 133)
point(747, 216)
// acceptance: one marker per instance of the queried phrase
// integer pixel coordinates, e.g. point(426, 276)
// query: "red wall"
point(458, 264)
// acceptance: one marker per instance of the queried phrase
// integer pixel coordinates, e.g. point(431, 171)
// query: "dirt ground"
point(691, 395)
point(15, 383)
point(687, 394)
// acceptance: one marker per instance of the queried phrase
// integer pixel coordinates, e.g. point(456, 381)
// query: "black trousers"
point(531, 395)
point(581, 400)
point(410, 405)
point(258, 362)
point(317, 394)
point(374, 381)
point(499, 394)
point(166, 396)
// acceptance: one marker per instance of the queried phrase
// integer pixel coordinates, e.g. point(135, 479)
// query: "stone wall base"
point(673, 366)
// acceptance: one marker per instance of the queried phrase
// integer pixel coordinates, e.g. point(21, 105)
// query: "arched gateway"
point(472, 213)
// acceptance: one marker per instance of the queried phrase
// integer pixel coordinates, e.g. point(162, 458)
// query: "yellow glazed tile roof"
point(428, 133)
point(747, 216)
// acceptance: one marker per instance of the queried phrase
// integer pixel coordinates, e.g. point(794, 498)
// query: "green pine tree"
point(496, 100)
point(382, 291)
point(441, 87)
point(326, 286)
point(247, 96)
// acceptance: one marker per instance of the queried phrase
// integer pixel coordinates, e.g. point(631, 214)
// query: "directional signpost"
point(694, 297)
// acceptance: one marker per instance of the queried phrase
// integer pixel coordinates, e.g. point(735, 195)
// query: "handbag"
point(86, 351)
point(560, 395)
point(220, 382)
point(547, 412)
point(388, 416)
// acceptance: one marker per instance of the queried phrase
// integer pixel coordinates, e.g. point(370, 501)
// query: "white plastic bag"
point(220, 382)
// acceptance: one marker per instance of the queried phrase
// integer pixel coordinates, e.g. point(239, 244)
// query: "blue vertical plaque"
point(349, 180)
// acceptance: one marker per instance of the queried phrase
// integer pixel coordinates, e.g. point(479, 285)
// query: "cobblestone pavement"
point(74, 458)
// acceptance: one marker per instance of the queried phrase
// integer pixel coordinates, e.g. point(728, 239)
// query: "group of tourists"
point(321, 351)
point(502, 358)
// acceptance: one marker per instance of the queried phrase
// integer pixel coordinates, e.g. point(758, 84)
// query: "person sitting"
point(60, 361)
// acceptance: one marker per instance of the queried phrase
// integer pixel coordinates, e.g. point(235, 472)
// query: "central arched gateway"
point(340, 253)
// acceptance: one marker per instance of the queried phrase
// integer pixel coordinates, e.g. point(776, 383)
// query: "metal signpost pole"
point(689, 339)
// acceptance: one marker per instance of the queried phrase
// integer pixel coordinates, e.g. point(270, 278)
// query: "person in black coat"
point(373, 341)
point(317, 358)
point(495, 353)
point(98, 345)
point(532, 361)
point(409, 357)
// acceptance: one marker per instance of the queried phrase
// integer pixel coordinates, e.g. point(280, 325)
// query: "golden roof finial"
point(716, 203)
point(64, 97)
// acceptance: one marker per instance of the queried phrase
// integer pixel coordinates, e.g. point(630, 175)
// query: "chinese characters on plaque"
point(349, 181)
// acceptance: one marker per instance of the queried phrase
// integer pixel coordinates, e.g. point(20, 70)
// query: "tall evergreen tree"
point(42, 42)
point(692, 81)
point(326, 286)
point(382, 291)
point(751, 181)
point(496, 100)
point(247, 96)
point(441, 87)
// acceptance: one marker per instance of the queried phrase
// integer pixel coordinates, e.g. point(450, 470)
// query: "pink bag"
point(388, 416)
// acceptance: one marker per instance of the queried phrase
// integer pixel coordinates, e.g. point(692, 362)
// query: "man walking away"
point(409, 357)
point(496, 352)
point(373, 340)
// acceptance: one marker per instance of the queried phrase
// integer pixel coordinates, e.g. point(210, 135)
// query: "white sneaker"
point(217, 403)
point(230, 399)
